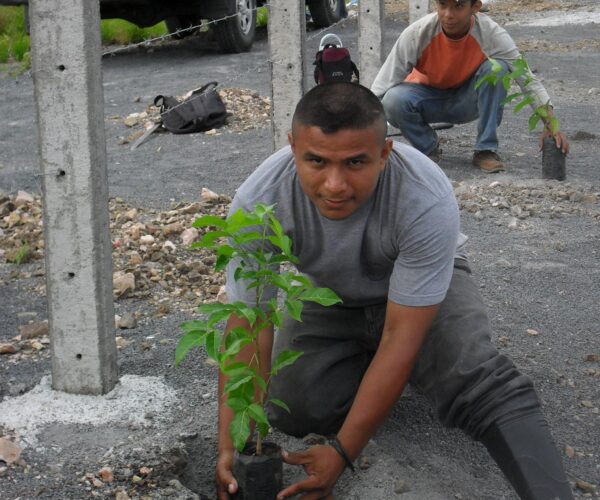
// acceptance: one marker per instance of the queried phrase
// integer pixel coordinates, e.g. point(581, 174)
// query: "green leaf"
point(511, 97)
point(294, 308)
point(248, 237)
point(281, 404)
point(210, 220)
point(244, 391)
point(236, 346)
point(324, 296)
point(506, 82)
point(218, 316)
point(257, 414)
point(261, 383)
point(277, 318)
point(263, 429)
point(243, 311)
point(234, 382)
point(213, 343)
point(261, 210)
point(222, 261)
point(237, 404)
point(533, 121)
point(285, 358)
point(193, 326)
point(490, 79)
point(213, 307)
point(496, 66)
point(541, 111)
point(190, 340)
point(527, 100)
point(209, 239)
point(237, 369)
point(239, 430)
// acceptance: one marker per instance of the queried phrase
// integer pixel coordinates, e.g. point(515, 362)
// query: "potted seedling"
point(553, 159)
point(256, 243)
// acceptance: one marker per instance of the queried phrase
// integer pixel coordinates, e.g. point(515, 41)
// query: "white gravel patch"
point(128, 404)
point(559, 18)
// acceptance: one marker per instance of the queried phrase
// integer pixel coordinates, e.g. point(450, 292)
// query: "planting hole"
point(70, 275)
point(61, 67)
point(61, 173)
point(78, 356)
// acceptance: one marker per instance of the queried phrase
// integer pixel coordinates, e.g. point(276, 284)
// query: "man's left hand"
point(560, 140)
point(322, 464)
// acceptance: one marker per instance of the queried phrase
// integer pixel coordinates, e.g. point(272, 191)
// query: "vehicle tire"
point(236, 34)
point(174, 24)
point(325, 12)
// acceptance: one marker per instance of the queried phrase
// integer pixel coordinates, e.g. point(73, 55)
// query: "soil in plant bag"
point(258, 477)
point(553, 161)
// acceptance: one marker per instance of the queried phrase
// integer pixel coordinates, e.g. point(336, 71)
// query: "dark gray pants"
point(470, 384)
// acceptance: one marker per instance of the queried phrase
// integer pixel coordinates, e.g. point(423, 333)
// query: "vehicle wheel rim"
point(245, 15)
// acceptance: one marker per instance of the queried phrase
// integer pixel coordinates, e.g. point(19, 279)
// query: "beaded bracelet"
point(334, 442)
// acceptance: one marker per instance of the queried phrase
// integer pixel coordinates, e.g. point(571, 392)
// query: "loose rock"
point(8, 349)
point(584, 486)
point(126, 322)
point(9, 451)
point(34, 330)
point(401, 486)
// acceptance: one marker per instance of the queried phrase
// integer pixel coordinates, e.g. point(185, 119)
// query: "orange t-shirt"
point(447, 63)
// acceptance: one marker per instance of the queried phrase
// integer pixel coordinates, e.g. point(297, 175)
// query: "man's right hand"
point(226, 483)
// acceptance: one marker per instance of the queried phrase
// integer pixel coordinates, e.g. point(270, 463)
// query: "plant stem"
point(259, 293)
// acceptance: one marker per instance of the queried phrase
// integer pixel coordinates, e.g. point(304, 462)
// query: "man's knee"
point(302, 419)
point(398, 103)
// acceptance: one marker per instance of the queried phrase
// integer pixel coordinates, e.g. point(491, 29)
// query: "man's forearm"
point(383, 383)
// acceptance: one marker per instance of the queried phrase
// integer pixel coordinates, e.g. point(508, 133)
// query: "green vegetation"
point(15, 43)
point(262, 16)
point(22, 255)
point(258, 244)
point(124, 33)
point(521, 74)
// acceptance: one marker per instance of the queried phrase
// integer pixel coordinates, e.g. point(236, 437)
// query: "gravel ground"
point(534, 249)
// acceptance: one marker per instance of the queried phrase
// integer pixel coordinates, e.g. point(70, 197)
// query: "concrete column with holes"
point(66, 57)
point(417, 9)
point(287, 53)
point(370, 39)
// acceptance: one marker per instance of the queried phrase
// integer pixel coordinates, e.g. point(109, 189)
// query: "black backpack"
point(202, 110)
point(333, 62)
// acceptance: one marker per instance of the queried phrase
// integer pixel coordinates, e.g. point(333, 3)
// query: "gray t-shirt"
point(399, 245)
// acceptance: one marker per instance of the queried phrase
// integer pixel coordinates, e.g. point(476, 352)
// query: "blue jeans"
point(411, 107)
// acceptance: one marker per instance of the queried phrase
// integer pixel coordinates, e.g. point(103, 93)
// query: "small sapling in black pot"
point(553, 158)
point(256, 243)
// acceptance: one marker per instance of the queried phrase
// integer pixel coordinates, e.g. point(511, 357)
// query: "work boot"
point(488, 161)
point(524, 451)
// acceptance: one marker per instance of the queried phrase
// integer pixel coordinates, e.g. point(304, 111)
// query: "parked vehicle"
point(233, 34)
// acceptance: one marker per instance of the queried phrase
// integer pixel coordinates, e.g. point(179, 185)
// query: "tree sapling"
point(553, 159)
point(255, 241)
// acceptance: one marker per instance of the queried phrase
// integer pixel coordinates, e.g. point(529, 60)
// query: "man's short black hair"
point(339, 106)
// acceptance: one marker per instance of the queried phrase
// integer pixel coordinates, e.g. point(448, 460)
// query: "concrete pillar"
point(287, 53)
point(65, 36)
point(370, 39)
point(417, 9)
